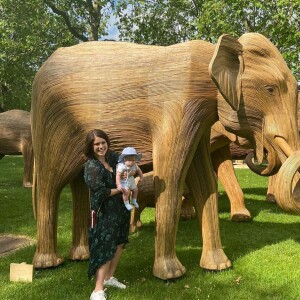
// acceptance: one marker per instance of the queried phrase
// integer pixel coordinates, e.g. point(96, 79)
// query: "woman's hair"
point(89, 141)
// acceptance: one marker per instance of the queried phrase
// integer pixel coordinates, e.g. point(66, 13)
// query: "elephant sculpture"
point(166, 100)
point(221, 156)
point(15, 139)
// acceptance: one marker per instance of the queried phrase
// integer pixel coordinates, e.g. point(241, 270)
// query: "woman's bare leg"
point(101, 275)
point(114, 262)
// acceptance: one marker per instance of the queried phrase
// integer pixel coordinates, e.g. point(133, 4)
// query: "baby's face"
point(129, 160)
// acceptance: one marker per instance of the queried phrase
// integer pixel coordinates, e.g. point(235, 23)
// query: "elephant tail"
point(34, 191)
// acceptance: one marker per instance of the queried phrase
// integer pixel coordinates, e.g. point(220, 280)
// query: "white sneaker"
point(98, 295)
point(112, 281)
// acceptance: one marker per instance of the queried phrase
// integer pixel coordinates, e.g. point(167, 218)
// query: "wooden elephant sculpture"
point(15, 139)
point(221, 156)
point(163, 101)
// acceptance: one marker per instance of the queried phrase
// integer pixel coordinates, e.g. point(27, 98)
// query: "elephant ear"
point(226, 68)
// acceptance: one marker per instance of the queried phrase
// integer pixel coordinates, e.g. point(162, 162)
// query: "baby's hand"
point(141, 179)
point(119, 188)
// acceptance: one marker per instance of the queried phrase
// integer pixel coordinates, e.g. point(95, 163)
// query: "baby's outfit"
point(129, 182)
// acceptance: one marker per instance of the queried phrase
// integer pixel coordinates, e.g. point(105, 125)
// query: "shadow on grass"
point(255, 202)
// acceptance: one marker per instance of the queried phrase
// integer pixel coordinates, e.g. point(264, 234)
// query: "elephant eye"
point(270, 89)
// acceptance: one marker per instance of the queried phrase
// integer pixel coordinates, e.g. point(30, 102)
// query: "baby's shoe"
point(134, 203)
point(127, 205)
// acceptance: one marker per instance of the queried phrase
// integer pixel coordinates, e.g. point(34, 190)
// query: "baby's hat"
point(128, 151)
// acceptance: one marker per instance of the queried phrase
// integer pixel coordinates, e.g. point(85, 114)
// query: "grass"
point(264, 252)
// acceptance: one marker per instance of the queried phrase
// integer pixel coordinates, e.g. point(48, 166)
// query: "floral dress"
point(112, 226)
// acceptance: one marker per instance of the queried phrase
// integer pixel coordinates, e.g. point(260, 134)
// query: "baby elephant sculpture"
point(15, 139)
point(167, 98)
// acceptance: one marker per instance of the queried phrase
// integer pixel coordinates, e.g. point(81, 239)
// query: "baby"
point(127, 163)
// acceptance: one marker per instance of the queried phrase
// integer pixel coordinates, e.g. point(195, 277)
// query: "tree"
point(164, 22)
point(28, 36)
point(31, 30)
point(86, 20)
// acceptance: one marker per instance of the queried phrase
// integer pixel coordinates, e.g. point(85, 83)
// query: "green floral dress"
point(112, 227)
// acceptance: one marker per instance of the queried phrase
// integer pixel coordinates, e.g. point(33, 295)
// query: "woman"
point(110, 228)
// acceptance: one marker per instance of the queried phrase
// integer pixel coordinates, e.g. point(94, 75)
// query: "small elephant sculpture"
point(167, 98)
point(15, 139)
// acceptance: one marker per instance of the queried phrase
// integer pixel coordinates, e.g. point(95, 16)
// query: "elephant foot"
point(215, 260)
point(271, 198)
point(187, 213)
point(79, 253)
point(187, 209)
point(168, 268)
point(48, 260)
point(241, 216)
point(27, 185)
point(135, 226)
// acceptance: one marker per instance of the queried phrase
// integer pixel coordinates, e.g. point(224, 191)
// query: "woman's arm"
point(115, 192)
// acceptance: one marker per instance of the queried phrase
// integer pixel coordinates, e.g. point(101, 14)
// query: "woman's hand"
point(119, 188)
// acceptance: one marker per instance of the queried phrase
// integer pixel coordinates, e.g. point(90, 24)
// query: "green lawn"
point(264, 252)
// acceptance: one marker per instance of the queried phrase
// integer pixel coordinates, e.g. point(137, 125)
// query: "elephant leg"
point(222, 163)
point(145, 199)
point(28, 164)
point(167, 210)
point(46, 254)
point(203, 189)
point(271, 188)
point(135, 220)
point(80, 247)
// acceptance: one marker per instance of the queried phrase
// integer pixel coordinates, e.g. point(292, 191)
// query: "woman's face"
point(100, 147)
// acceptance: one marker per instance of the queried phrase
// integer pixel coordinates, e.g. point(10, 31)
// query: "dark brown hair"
point(89, 141)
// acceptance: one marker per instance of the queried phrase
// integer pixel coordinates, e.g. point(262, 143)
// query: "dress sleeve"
point(94, 178)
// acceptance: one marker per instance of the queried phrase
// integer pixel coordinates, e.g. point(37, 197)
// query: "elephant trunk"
point(287, 187)
point(269, 169)
point(258, 169)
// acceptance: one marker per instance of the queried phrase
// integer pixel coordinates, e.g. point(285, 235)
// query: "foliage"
point(155, 22)
point(86, 20)
point(28, 36)
point(164, 22)
point(264, 252)
point(31, 30)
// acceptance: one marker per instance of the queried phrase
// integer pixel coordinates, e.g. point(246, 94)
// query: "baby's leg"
point(126, 193)
point(134, 196)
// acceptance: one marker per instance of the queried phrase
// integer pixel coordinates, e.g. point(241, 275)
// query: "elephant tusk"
point(284, 146)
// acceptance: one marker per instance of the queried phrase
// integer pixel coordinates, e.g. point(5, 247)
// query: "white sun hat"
point(130, 151)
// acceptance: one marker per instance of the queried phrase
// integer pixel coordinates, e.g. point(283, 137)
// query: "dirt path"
point(9, 243)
